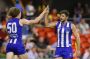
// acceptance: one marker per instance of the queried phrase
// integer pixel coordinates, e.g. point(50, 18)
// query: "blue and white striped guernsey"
point(64, 33)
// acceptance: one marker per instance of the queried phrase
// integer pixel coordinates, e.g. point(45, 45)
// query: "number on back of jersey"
point(11, 27)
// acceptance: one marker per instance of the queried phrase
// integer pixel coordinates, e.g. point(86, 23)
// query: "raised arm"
point(46, 18)
point(76, 34)
point(51, 24)
point(47, 24)
point(36, 20)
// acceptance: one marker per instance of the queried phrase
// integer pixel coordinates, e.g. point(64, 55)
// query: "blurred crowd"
point(40, 41)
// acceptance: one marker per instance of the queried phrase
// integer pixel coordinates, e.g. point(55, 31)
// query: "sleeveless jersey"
point(64, 33)
point(15, 31)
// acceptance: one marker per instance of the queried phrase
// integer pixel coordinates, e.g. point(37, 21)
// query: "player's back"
point(15, 31)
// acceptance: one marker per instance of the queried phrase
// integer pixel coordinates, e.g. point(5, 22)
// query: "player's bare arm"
point(52, 24)
point(76, 34)
point(36, 20)
point(46, 18)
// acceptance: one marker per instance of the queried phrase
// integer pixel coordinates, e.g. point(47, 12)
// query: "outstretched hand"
point(46, 10)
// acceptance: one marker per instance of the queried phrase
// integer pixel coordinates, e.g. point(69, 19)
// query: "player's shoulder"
point(21, 21)
point(70, 22)
point(57, 23)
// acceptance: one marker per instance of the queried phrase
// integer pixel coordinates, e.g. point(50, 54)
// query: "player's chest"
point(64, 29)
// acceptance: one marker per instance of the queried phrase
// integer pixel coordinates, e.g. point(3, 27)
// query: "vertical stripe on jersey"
point(10, 40)
point(67, 36)
point(70, 34)
point(58, 33)
point(62, 37)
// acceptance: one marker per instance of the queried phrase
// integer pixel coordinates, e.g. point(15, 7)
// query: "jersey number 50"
point(12, 28)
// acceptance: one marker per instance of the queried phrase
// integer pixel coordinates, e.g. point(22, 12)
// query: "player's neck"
point(64, 21)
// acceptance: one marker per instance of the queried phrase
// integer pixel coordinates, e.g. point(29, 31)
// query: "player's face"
point(63, 17)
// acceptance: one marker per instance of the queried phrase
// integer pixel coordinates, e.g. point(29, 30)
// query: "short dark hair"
point(13, 12)
point(64, 12)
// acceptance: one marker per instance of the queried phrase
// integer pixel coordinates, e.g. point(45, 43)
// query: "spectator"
point(78, 9)
point(30, 10)
point(3, 36)
point(86, 55)
point(42, 44)
point(84, 27)
point(53, 16)
point(76, 18)
point(3, 48)
point(18, 5)
point(32, 54)
point(86, 11)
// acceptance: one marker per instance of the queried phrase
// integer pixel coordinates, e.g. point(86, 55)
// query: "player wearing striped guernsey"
point(64, 33)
